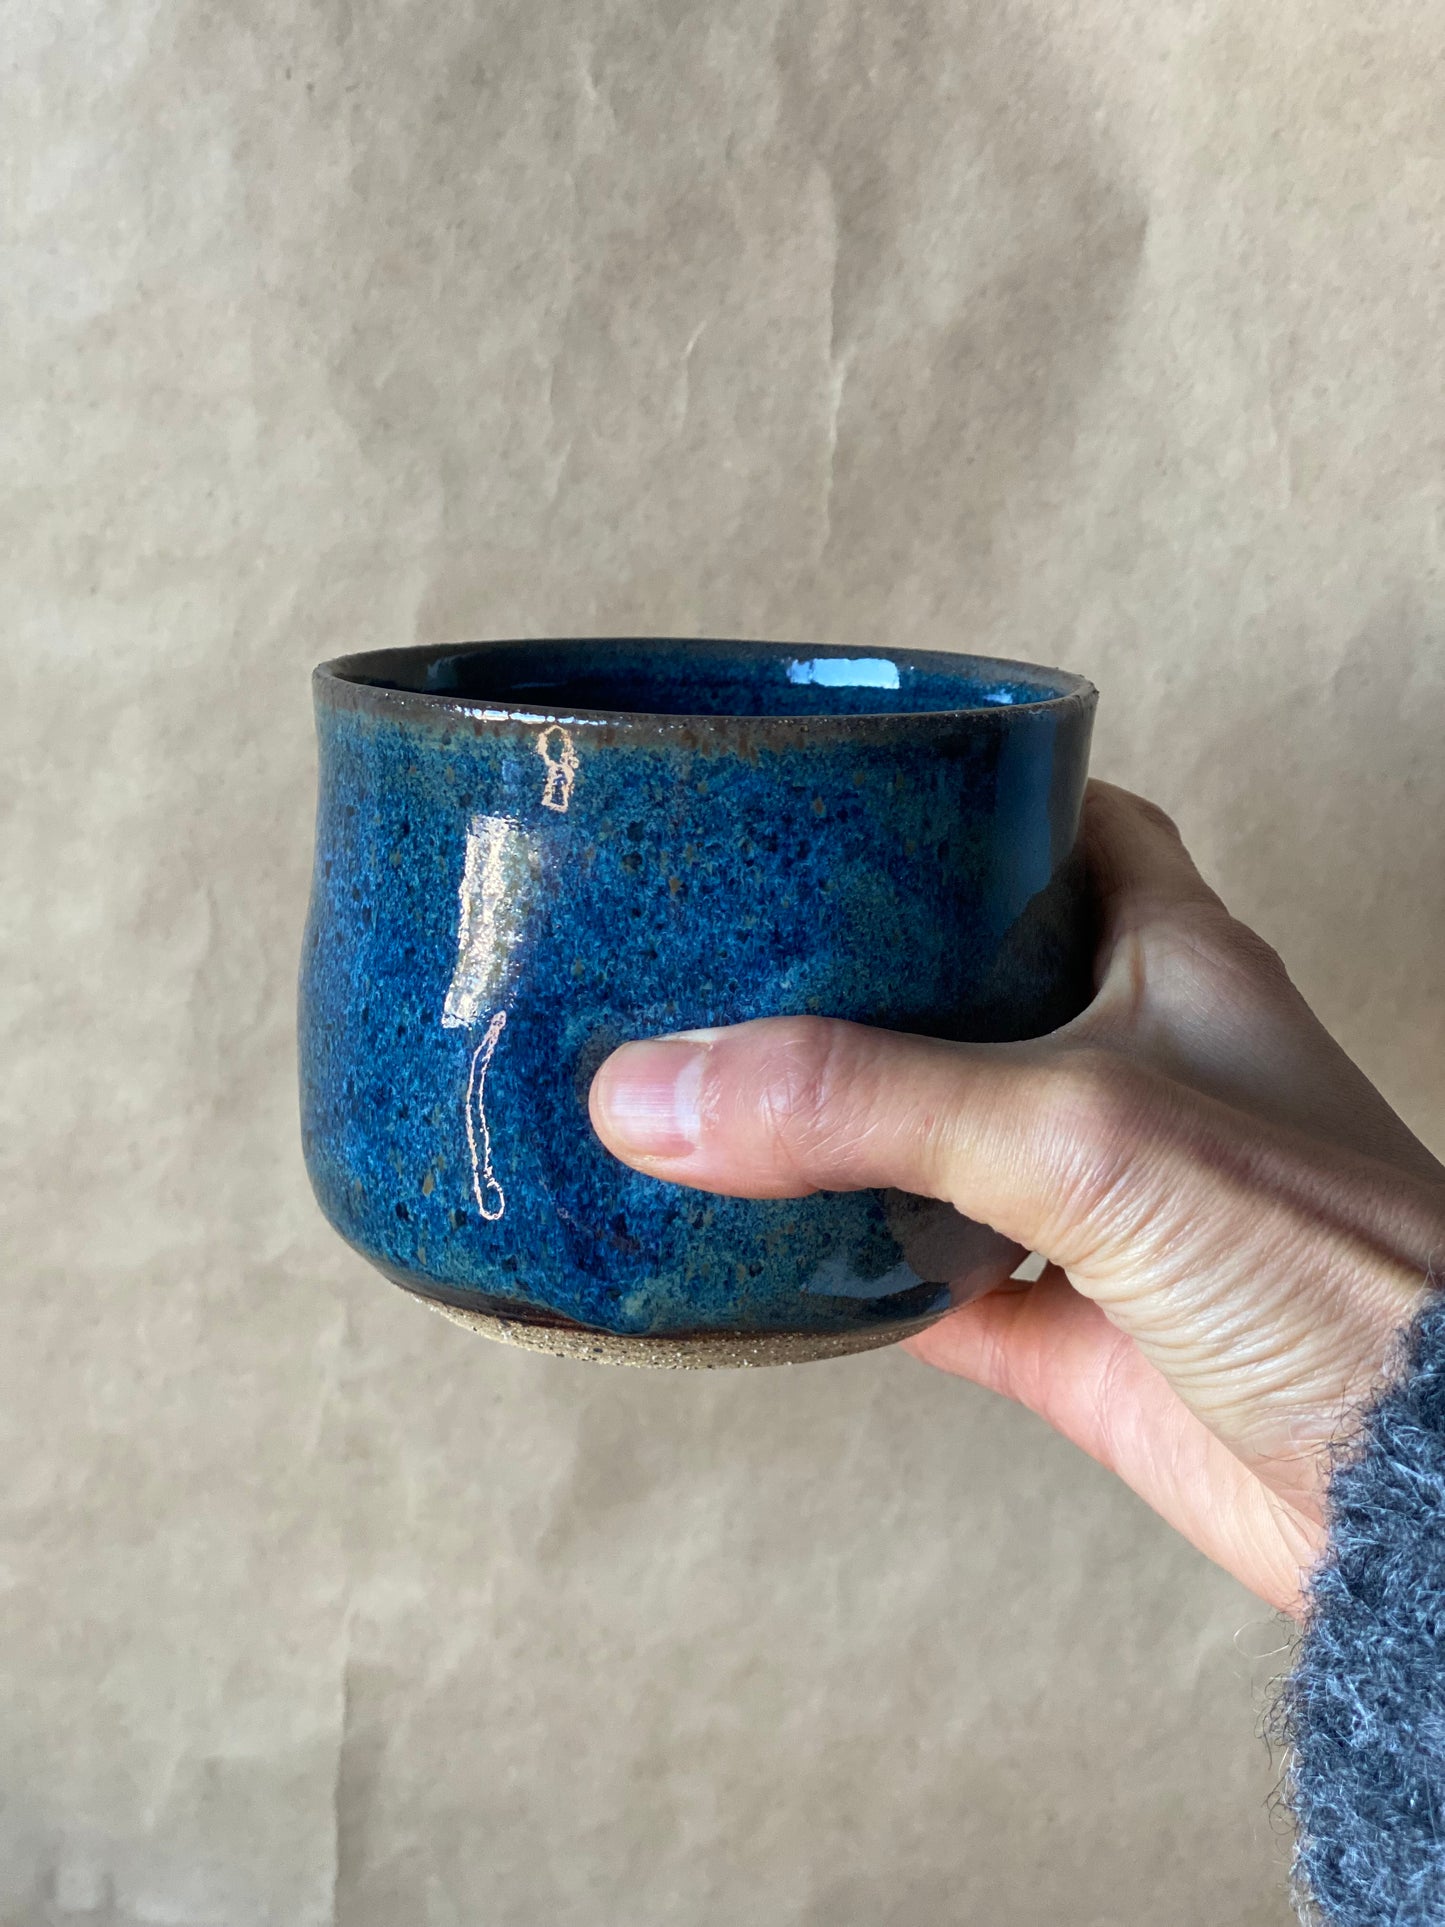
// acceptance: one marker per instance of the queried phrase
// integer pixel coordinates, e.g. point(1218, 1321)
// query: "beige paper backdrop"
point(1103, 334)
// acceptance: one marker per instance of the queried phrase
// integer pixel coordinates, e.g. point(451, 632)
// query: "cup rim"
point(360, 679)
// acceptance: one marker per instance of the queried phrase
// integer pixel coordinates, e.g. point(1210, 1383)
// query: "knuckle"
point(1101, 1105)
point(1091, 1088)
point(1250, 952)
point(797, 1098)
point(1224, 947)
point(1158, 819)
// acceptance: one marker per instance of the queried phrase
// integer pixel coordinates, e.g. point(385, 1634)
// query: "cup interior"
point(665, 677)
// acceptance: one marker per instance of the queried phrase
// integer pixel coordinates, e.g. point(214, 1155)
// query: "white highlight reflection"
point(559, 753)
point(845, 672)
point(501, 862)
point(495, 874)
point(491, 1200)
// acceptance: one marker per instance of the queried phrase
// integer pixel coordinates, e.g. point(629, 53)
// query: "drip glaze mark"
point(491, 1200)
point(555, 747)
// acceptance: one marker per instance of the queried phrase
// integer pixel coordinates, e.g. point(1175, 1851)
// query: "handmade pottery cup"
point(529, 852)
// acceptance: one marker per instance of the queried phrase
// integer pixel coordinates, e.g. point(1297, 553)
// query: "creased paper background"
point(1107, 334)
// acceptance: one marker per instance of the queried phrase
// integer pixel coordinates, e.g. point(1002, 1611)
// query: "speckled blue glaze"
point(529, 852)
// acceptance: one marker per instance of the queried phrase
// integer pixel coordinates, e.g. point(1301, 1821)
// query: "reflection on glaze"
point(492, 895)
point(500, 861)
point(555, 747)
point(845, 672)
point(491, 1200)
point(836, 1278)
point(494, 875)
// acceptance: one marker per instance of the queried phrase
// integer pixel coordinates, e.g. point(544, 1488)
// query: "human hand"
point(1236, 1225)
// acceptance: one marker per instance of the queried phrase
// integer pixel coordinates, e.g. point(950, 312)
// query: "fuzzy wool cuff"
point(1364, 1709)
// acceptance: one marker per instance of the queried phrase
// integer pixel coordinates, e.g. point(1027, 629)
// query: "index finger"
point(1137, 863)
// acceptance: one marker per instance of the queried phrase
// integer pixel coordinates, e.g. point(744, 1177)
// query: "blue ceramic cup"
point(529, 852)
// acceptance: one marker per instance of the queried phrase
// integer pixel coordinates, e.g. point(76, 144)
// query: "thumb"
point(1257, 1269)
point(1031, 1140)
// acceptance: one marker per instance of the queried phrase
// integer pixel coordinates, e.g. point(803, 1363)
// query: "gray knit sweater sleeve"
point(1364, 1709)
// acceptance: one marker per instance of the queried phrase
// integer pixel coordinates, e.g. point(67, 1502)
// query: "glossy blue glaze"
point(529, 852)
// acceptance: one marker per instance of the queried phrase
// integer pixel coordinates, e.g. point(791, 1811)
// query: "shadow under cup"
point(529, 852)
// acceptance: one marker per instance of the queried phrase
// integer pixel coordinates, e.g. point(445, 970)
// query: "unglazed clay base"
point(702, 1351)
